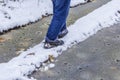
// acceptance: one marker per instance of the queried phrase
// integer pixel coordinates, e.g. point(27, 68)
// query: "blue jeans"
point(58, 23)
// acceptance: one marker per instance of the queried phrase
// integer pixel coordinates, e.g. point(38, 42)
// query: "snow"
point(18, 13)
point(51, 65)
point(19, 67)
point(76, 2)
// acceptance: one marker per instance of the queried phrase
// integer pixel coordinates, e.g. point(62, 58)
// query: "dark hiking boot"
point(48, 45)
point(63, 33)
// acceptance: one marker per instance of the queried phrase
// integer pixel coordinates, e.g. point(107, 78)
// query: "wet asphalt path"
point(97, 58)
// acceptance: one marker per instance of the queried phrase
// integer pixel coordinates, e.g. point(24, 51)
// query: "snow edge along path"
point(19, 67)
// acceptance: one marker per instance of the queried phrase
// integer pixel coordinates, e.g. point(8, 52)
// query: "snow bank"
point(18, 13)
point(76, 2)
point(19, 67)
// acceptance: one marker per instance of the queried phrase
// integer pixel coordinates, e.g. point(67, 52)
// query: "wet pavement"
point(97, 58)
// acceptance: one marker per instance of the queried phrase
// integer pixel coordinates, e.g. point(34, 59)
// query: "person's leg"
point(61, 9)
point(63, 31)
point(67, 11)
point(63, 27)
